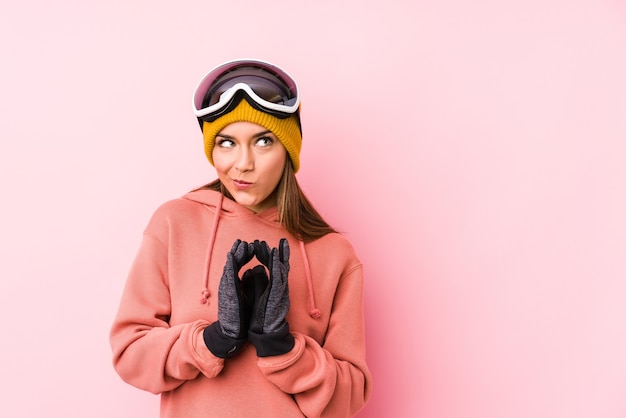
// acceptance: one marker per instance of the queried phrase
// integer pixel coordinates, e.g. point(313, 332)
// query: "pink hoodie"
point(171, 296)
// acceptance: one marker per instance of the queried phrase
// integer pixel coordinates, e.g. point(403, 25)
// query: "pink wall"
point(474, 152)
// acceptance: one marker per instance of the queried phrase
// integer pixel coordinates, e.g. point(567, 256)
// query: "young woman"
point(242, 300)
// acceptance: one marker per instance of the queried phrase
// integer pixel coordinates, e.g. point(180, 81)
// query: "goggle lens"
point(269, 87)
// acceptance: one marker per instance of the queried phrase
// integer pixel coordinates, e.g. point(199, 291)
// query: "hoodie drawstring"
point(313, 312)
point(216, 220)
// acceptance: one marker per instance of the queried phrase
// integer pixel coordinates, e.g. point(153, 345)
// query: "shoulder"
point(334, 246)
point(191, 201)
point(173, 213)
point(334, 240)
point(174, 208)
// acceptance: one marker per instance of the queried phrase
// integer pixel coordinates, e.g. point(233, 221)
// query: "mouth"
point(241, 184)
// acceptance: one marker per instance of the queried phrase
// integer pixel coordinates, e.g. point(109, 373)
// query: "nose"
point(245, 160)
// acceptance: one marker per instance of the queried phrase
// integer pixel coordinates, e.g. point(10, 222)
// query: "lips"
point(241, 184)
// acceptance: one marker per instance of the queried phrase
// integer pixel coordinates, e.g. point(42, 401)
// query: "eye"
point(265, 141)
point(225, 143)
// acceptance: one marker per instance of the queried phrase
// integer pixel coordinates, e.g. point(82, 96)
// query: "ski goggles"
point(266, 87)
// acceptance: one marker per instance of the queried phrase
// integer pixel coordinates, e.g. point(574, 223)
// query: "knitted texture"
point(226, 336)
point(231, 306)
point(286, 130)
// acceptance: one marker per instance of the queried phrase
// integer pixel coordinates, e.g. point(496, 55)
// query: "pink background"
point(474, 153)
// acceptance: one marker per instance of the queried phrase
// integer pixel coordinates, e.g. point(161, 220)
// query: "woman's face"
point(249, 161)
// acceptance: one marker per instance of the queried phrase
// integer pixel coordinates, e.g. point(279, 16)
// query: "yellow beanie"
point(286, 130)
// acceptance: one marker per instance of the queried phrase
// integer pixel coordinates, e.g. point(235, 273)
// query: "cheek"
point(275, 167)
point(221, 162)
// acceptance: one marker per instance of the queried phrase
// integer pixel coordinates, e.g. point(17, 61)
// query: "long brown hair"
point(295, 212)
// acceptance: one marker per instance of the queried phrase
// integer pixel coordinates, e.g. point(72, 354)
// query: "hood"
point(228, 207)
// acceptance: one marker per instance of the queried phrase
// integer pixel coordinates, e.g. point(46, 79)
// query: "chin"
point(248, 203)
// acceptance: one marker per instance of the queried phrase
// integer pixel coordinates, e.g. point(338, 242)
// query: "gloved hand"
point(226, 336)
point(269, 330)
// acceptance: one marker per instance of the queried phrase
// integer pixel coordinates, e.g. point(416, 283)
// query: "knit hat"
point(286, 130)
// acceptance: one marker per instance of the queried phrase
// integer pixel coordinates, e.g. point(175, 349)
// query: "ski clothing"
point(157, 336)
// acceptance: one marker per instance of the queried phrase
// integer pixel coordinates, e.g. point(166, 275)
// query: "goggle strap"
point(234, 102)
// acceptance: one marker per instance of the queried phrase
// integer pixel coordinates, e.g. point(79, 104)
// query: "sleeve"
point(147, 352)
point(329, 380)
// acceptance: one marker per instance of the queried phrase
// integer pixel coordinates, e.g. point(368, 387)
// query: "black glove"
point(269, 330)
point(226, 336)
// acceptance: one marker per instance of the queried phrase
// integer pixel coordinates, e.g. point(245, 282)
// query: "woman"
point(242, 300)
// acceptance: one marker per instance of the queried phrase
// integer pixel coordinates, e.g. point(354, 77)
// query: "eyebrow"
point(257, 135)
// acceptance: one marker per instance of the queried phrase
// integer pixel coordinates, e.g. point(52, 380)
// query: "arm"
point(147, 352)
point(332, 379)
